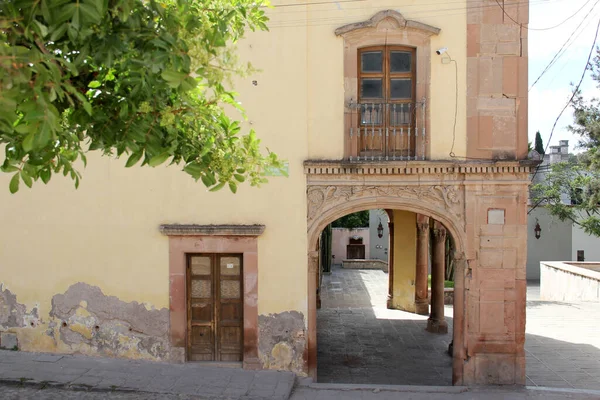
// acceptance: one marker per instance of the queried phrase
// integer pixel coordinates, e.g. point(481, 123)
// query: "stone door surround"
point(190, 239)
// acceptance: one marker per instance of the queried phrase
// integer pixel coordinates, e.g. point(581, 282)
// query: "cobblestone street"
point(361, 341)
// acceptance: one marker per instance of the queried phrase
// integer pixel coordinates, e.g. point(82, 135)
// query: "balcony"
point(385, 131)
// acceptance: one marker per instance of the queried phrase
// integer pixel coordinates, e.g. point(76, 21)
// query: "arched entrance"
point(484, 207)
point(442, 203)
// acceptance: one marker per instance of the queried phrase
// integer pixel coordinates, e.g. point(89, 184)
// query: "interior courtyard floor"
point(361, 341)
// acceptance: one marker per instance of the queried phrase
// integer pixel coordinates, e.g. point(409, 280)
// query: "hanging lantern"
point(380, 230)
point(537, 230)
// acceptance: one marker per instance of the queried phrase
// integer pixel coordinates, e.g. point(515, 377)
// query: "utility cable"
point(560, 51)
point(540, 29)
point(573, 95)
point(331, 20)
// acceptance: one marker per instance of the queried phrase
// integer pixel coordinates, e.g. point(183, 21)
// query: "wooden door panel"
point(202, 312)
point(202, 344)
point(231, 312)
point(230, 308)
point(230, 339)
point(215, 307)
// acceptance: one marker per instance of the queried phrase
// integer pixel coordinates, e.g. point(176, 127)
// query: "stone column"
point(436, 322)
point(390, 298)
point(421, 303)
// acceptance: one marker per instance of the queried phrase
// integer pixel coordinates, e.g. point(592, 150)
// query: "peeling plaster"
point(282, 341)
point(14, 314)
point(88, 321)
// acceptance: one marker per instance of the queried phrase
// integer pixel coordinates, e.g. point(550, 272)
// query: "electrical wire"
point(316, 3)
point(410, 8)
point(557, 72)
point(572, 96)
point(540, 29)
point(560, 51)
point(451, 154)
point(432, 12)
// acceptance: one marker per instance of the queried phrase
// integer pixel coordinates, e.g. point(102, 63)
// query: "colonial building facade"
point(420, 110)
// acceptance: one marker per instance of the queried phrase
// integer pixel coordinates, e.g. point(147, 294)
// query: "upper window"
point(387, 74)
point(386, 97)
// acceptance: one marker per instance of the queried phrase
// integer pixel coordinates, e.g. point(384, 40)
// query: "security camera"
point(441, 51)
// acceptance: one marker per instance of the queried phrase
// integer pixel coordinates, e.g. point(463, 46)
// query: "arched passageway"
point(327, 203)
point(374, 323)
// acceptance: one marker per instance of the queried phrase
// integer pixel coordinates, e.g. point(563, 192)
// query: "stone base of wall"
point(448, 296)
point(365, 264)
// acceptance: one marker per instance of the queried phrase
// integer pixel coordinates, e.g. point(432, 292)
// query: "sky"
point(553, 90)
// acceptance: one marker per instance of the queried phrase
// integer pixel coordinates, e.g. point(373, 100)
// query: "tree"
point(570, 191)
point(539, 144)
point(355, 220)
point(136, 78)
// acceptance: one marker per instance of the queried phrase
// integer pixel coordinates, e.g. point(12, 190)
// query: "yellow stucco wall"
point(405, 260)
point(106, 232)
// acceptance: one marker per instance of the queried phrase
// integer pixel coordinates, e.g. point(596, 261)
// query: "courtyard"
point(361, 341)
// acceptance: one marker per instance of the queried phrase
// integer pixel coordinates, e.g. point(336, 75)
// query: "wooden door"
point(215, 307)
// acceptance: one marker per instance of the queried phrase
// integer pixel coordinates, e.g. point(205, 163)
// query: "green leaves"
point(133, 159)
point(570, 191)
point(135, 77)
point(158, 159)
point(13, 186)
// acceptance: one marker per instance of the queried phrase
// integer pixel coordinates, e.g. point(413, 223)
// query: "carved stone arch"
point(443, 203)
point(327, 201)
point(387, 27)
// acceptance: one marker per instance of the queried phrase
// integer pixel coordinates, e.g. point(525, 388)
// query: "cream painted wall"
point(106, 232)
point(405, 260)
point(321, 67)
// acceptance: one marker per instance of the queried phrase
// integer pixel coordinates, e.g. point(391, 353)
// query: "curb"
point(386, 388)
point(564, 390)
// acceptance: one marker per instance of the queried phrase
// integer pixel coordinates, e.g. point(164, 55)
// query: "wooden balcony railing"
point(385, 131)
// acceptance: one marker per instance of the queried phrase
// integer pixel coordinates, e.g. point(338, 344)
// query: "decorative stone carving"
point(323, 198)
point(396, 18)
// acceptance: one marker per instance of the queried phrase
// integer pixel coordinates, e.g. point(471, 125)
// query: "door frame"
point(229, 239)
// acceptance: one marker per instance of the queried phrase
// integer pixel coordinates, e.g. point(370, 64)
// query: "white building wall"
point(379, 246)
point(554, 243)
point(589, 244)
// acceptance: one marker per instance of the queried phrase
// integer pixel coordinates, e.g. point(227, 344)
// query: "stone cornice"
point(211, 230)
point(344, 167)
point(380, 16)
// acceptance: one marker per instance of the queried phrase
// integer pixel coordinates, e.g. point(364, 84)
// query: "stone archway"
point(444, 203)
point(483, 206)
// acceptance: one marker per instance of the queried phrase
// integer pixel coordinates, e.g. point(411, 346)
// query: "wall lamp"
point(537, 229)
point(380, 229)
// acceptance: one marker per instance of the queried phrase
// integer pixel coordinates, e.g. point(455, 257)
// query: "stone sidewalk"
point(314, 392)
point(103, 374)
